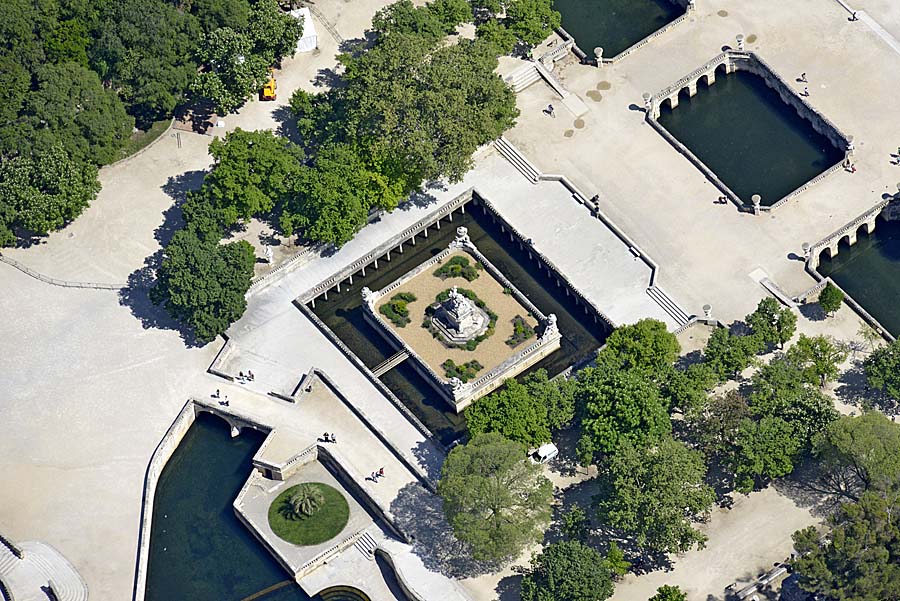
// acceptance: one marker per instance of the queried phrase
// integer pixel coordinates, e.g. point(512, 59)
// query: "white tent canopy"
point(309, 40)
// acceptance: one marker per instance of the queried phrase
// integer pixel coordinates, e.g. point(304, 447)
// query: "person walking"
point(805, 92)
point(381, 473)
point(802, 77)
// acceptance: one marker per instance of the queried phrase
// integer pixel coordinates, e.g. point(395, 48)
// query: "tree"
point(766, 449)
point(647, 345)
point(617, 406)
point(830, 298)
point(233, 71)
point(861, 559)
point(254, 171)
point(575, 523)
point(273, 33)
point(567, 571)
point(716, 426)
point(495, 500)
point(71, 107)
point(203, 283)
point(883, 369)
point(305, 501)
point(525, 412)
point(819, 358)
point(44, 192)
point(771, 323)
point(668, 593)
point(615, 561)
point(687, 391)
point(728, 354)
point(432, 21)
point(859, 453)
point(869, 335)
point(532, 20)
point(498, 35)
point(654, 494)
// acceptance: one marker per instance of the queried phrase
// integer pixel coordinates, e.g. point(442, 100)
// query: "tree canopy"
point(526, 412)
point(647, 345)
point(819, 357)
point(567, 571)
point(655, 494)
point(668, 593)
point(771, 323)
point(830, 298)
point(494, 498)
point(883, 369)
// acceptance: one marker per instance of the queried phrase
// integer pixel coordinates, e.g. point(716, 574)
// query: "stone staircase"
point(7, 560)
point(366, 545)
point(512, 154)
point(522, 77)
point(66, 584)
point(668, 305)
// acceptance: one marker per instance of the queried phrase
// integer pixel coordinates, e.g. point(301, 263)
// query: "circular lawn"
point(323, 525)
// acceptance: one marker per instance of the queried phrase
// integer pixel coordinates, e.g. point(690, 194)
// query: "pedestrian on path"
point(805, 92)
point(217, 395)
point(550, 110)
point(333, 438)
point(381, 473)
point(854, 16)
point(374, 477)
point(802, 78)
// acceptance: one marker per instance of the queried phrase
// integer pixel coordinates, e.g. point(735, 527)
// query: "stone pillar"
point(851, 237)
point(806, 249)
point(707, 312)
point(740, 41)
point(756, 199)
point(648, 103)
point(673, 100)
point(850, 147)
point(692, 88)
point(598, 54)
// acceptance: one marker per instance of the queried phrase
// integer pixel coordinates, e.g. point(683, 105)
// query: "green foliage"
point(883, 369)
point(830, 298)
point(575, 523)
point(68, 42)
point(233, 72)
point(615, 561)
point(716, 425)
point(521, 331)
point(308, 514)
point(274, 33)
point(765, 450)
point(646, 345)
point(532, 20)
point(254, 171)
point(43, 192)
point(525, 412)
point(396, 309)
point(618, 406)
point(567, 571)
point(497, 35)
point(494, 499)
point(431, 21)
point(668, 593)
point(771, 323)
point(859, 453)
point(688, 390)
point(818, 357)
point(465, 372)
point(655, 493)
point(728, 355)
point(203, 283)
point(458, 267)
point(861, 559)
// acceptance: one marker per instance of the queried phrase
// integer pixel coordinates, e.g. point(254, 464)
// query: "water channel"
point(343, 314)
point(199, 550)
point(614, 25)
point(754, 142)
point(869, 271)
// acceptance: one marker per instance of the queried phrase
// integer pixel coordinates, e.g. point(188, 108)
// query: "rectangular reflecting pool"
point(343, 314)
point(869, 271)
point(614, 25)
point(753, 141)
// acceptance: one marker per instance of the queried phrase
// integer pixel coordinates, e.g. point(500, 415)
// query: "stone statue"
point(551, 328)
point(462, 237)
point(367, 295)
point(456, 385)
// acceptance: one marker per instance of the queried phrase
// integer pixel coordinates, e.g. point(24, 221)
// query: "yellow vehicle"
point(268, 91)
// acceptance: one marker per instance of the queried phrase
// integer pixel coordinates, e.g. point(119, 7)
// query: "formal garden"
point(310, 513)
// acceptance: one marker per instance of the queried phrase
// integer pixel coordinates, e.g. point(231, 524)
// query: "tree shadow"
point(805, 486)
point(328, 78)
point(812, 311)
point(688, 359)
point(853, 387)
point(423, 198)
point(566, 441)
point(420, 514)
point(287, 124)
point(430, 457)
point(356, 46)
point(510, 587)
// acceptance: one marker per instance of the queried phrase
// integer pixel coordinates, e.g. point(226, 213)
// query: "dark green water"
point(199, 551)
point(343, 314)
point(614, 25)
point(869, 271)
point(754, 142)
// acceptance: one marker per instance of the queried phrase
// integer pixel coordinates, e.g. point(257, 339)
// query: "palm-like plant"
point(305, 501)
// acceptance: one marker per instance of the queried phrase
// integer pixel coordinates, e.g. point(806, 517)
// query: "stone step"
point(66, 584)
point(512, 154)
point(668, 305)
point(7, 560)
point(366, 545)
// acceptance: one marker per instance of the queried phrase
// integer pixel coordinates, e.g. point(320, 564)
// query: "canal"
point(754, 142)
point(343, 314)
point(614, 25)
point(869, 271)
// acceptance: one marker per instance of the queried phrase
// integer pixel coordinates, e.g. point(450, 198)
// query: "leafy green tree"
point(687, 391)
point(654, 494)
point(567, 571)
point(431, 21)
point(646, 345)
point(617, 406)
point(495, 500)
point(15, 85)
point(615, 561)
point(819, 358)
point(525, 412)
point(860, 561)
point(716, 427)
point(273, 33)
point(498, 35)
point(214, 14)
point(883, 369)
point(771, 323)
point(202, 282)
point(869, 335)
point(859, 453)
point(68, 42)
point(254, 171)
point(44, 192)
point(668, 593)
point(532, 20)
point(71, 106)
point(766, 449)
point(575, 523)
point(830, 298)
point(727, 354)
point(234, 72)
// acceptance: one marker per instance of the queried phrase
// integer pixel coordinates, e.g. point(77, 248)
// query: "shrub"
point(521, 331)
point(396, 309)
point(464, 372)
point(458, 267)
